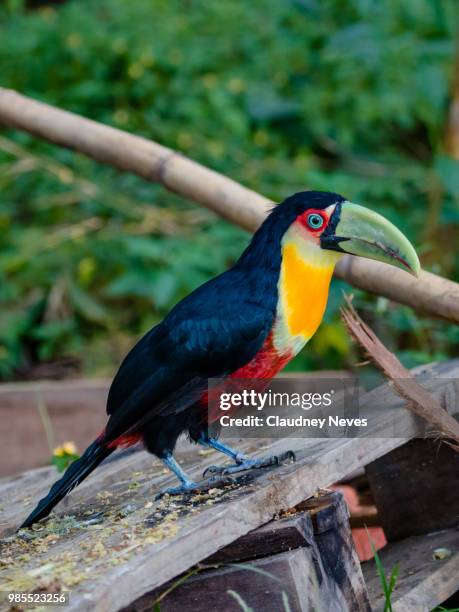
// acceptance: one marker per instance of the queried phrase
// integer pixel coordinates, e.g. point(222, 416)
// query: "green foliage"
point(348, 97)
point(63, 456)
point(387, 586)
point(62, 463)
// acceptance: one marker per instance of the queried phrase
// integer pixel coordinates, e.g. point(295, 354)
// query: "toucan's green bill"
point(361, 231)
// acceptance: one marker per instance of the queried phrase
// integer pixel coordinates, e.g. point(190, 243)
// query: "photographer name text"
point(299, 421)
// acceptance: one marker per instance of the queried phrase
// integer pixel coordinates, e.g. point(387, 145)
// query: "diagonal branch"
point(418, 399)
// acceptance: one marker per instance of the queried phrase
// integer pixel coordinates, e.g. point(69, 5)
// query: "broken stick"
point(418, 399)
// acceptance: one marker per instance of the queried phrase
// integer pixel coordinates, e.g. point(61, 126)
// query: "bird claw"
point(249, 464)
point(214, 482)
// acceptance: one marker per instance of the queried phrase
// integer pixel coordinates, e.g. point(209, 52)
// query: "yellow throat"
point(304, 281)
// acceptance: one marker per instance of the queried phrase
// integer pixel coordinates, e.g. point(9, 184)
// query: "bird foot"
point(249, 464)
point(202, 486)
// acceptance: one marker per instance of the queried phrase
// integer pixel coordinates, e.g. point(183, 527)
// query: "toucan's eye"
point(315, 221)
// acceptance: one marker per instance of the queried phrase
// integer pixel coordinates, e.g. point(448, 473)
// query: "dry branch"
point(418, 399)
point(430, 293)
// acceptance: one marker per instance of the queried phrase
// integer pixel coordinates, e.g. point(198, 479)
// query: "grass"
point(388, 585)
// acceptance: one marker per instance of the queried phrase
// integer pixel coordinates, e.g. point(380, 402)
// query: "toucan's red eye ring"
point(315, 221)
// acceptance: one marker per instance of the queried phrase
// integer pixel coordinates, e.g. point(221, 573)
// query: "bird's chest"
point(302, 289)
point(302, 297)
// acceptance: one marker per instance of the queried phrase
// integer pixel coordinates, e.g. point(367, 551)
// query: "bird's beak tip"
point(414, 271)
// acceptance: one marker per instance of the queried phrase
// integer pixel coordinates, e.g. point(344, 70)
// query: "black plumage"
point(214, 331)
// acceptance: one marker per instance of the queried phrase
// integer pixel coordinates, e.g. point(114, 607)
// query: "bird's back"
point(215, 330)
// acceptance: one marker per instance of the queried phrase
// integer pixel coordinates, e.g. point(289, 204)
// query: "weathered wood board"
point(282, 565)
point(76, 410)
point(275, 580)
point(116, 531)
point(416, 488)
point(424, 581)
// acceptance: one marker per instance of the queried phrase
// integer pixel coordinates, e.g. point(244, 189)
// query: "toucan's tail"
point(75, 473)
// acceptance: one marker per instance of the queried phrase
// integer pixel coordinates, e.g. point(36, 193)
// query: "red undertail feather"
point(123, 441)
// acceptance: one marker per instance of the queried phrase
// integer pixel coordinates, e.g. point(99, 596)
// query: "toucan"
point(247, 323)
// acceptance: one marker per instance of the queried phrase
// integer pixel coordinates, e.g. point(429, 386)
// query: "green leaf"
point(63, 462)
point(164, 288)
point(87, 306)
point(143, 247)
point(448, 171)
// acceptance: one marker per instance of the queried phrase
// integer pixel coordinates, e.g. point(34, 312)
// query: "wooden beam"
point(153, 162)
point(75, 409)
point(424, 581)
point(416, 488)
point(116, 530)
point(278, 536)
point(317, 539)
point(261, 584)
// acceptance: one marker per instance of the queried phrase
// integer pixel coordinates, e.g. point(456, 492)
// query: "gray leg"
point(235, 455)
point(187, 485)
point(242, 461)
point(172, 464)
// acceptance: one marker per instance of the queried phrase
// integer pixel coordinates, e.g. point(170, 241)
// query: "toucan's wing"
point(214, 331)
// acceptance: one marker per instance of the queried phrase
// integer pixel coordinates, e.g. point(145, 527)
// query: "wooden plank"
point(276, 536)
point(262, 584)
point(327, 512)
point(423, 582)
point(340, 560)
point(297, 528)
point(330, 518)
point(318, 585)
point(76, 410)
point(98, 555)
point(416, 488)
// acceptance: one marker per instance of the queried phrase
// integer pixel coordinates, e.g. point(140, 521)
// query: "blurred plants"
point(281, 96)
point(64, 455)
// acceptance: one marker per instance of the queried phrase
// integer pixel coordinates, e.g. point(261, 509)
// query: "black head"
point(317, 211)
point(304, 200)
point(329, 222)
